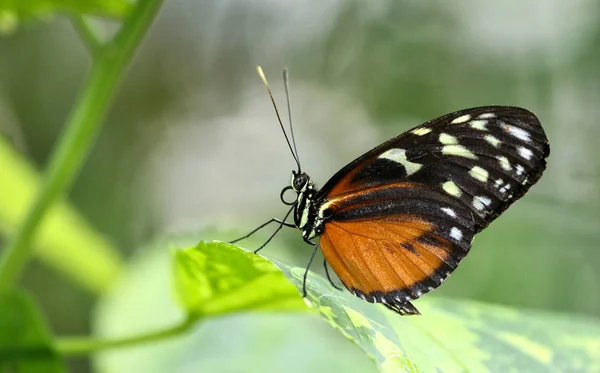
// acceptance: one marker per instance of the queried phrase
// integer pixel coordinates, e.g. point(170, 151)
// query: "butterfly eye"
point(299, 181)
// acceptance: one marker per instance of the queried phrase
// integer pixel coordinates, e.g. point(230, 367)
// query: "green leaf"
point(13, 12)
point(261, 342)
point(65, 240)
point(458, 336)
point(215, 278)
point(25, 343)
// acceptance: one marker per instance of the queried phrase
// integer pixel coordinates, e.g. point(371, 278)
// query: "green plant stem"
point(74, 346)
point(87, 34)
point(80, 131)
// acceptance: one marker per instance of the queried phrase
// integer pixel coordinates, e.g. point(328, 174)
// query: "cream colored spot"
point(304, 216)
point(421, 131)
point(486, 116)
point(456, 233)
point(479, 173)
point(452, 189)
point(504, 163)
point(525, 153)
point(492, 140)
point(449, 211)
point(461, 119)
point(324, 207)
point(459, 151)
point(518, 133)
point(448, 139)
point(399, 156)
point(478, 125)
point(520, 169)
point(485, 200)
point(477, 204)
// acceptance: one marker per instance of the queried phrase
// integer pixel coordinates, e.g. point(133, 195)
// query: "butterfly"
point(395, 222)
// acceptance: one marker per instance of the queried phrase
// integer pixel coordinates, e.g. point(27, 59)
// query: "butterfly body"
point(395, 222)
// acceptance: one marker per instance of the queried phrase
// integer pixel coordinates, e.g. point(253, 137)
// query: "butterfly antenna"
point(289, 109)
point(264, 79)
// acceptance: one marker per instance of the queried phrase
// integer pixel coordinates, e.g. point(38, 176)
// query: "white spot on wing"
point(485, 200)
point(505, 188)
point(479, 125)
point(452, 189)
point(399, 156)
point(421, 131)
point(479, 173)
point(461, 119)
point(449, 211)
point(517, 132)
point(492, 140)
point(456, 233)
point(520, 169)
point(525, 153)
point(486, 116)
point(477, 204)
point(459, 151)
point(448, 139)
point(504, 163)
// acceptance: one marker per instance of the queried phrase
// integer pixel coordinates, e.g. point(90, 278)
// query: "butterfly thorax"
point(306, 216)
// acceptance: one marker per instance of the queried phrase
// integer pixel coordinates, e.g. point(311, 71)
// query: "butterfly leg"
point(281, 222)
point(329, 277)
point(312, 257)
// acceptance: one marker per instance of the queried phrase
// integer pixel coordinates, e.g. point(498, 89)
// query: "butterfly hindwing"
point(396, 242)
point(398, 219)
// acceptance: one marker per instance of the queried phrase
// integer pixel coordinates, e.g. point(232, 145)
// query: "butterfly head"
point(300, 182)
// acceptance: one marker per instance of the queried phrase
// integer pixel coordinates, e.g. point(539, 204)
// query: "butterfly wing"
point(398, 220)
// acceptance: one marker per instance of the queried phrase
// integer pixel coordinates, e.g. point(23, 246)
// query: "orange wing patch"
point(397, 254)
point(345, 185)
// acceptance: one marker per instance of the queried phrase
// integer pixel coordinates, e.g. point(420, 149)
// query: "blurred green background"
point(192, 142)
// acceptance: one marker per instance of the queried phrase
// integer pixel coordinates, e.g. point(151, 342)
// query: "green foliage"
point(82, 126)
point(252, 341)
point(32, 212)
point(67, 253)
point(25, 342)
point(215, 278)
point(458, 336)
point(14, 12)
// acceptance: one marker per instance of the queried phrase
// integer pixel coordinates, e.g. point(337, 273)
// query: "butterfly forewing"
point(399, 219)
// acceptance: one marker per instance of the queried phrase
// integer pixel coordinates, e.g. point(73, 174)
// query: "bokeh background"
point(192, 142)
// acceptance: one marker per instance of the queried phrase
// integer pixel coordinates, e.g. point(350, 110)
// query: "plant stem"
point(74, 346)
point(80, 131)
point(86, 33)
